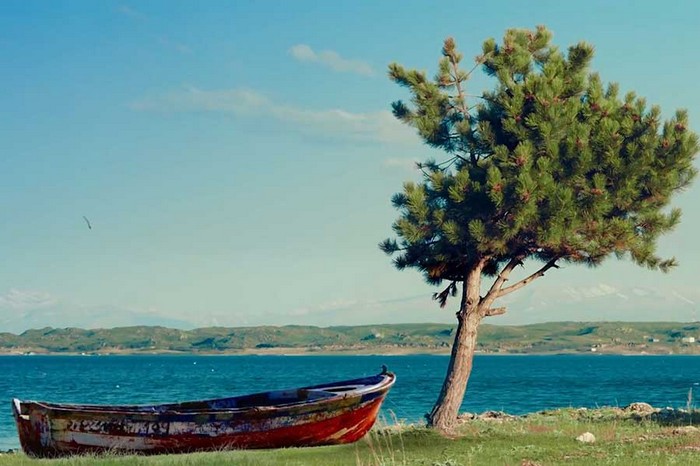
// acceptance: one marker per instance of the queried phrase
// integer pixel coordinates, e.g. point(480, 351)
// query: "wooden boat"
point(339, 412)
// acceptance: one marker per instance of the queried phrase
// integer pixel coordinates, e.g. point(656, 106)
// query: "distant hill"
point(554, 337)
point(540, 302)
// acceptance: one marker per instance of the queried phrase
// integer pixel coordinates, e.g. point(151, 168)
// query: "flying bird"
point(88, 222)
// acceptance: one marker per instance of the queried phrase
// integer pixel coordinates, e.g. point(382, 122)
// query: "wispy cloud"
point(22, 309)
point(370, 126)
point(402, 164)
point(683, 298)
point(130, 12)
point(331, 59)
point(172, 45)
point(335, 305)
point(344, 304)
point(25, 299)
point(343, 311)
point(162, 40)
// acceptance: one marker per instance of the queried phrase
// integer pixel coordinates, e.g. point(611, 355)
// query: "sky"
point(236, 159)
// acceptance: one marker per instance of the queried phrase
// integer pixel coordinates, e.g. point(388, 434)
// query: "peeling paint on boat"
point(340, 412)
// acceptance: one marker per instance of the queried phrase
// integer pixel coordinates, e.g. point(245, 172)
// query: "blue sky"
point(236, 159)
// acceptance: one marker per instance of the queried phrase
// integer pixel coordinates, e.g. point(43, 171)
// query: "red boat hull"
point(57, 430)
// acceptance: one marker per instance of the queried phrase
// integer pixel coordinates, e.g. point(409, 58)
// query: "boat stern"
point(33, 429)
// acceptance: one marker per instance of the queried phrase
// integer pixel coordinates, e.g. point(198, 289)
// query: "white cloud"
point(20, 300)
point(130, 12)
point(178, 47)
point(335, 305)
point(592, 291)
point(21, 310)
point(191, 99)
point(402, 164)
point(331, 59)
point(683, 298)
point(378, 126)
point(303, 52)
point(343, 311)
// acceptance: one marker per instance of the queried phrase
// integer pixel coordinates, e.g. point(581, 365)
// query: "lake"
point(515, 384)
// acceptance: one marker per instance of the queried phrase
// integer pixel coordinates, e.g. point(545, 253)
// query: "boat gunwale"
point(385, 381)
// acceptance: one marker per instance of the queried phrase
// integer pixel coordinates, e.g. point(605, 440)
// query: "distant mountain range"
point(58, 315)
point(601, 301)
point(540, 302)
point(556, 337)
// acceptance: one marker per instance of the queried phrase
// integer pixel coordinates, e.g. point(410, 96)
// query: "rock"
point(670, 416)
point(640, 408)
point(685, 430)
point(666, 413)
point(492, 415)
point(586, 437)
point(495, 416)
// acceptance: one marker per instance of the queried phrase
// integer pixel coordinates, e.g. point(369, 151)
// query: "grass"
point(540, 439)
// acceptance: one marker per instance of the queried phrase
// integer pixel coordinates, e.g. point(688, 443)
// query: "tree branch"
point(460, 157)
point(458, 86)
point(496, 311)
point(503, 277)
point(440, 166)
point(406, 248)
point(441, 297)
point(525, 281)
point(476, 96)
point(477, 64)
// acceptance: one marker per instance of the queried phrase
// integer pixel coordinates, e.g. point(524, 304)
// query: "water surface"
point(516, 384)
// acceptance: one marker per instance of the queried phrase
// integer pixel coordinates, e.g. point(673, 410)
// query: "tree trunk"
point(444, 414)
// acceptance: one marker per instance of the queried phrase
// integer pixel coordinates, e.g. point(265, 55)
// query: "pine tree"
point(550, 165)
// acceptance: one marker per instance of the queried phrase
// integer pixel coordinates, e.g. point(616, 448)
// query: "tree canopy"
point(551, 164)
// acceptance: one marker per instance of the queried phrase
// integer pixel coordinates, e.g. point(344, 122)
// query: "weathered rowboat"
point(339, 412)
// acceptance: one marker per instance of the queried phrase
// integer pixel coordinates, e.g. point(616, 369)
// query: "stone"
point(669, 416)
point(586, 437)
point(496, 416)
point(466, 416)
point(640, 408)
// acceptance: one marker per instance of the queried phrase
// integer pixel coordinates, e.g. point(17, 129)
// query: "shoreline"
point(599, 338)
point(349, 352)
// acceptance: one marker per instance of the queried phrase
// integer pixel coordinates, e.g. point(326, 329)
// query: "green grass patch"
point(540, 439)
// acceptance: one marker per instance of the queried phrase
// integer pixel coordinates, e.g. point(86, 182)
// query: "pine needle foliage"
point(551, 164)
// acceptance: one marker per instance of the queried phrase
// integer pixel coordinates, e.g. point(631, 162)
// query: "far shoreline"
point(302, 352)
point(553, 338)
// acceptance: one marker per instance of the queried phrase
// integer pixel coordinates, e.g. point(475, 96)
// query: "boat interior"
point(257, 400)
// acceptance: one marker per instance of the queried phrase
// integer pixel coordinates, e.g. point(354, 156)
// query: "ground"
point(636, 435)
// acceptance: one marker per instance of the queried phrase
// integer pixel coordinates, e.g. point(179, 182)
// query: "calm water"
point(516, 384)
